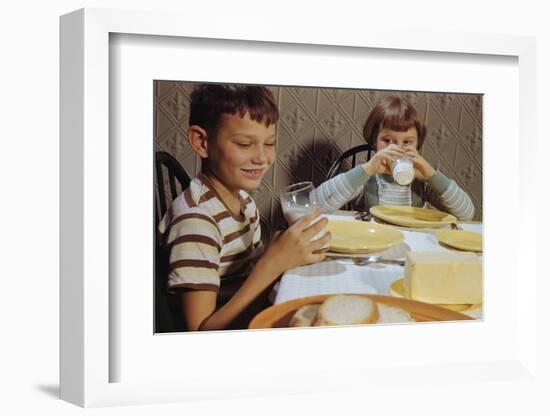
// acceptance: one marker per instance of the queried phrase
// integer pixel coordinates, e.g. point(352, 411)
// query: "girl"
point(394, 128)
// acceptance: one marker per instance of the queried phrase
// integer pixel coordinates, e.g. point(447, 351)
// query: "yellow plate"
point(412, 216)
point(362, 237)
point(397, 290)
point(463, 240)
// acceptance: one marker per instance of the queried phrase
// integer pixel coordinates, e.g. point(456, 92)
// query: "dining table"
point(344, 274)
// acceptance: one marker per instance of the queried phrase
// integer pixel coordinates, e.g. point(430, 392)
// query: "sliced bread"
point(304, 316)
point(392, 314)
point(346, 310)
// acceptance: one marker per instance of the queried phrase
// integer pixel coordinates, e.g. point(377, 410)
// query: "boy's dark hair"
point(210, 101)
point(394, 113)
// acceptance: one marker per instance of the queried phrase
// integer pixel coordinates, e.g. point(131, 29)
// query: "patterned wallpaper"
point(317, 124)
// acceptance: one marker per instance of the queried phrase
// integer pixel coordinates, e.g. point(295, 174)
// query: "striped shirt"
point(391, 193)
point(441, 193)
point(210, 248)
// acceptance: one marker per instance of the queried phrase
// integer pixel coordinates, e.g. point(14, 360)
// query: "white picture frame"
point(86, 355)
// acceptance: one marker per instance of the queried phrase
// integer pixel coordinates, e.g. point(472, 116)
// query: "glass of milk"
point(403, 171)
point(298, 200)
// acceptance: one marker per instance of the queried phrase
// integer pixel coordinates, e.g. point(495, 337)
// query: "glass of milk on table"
point(298, 200)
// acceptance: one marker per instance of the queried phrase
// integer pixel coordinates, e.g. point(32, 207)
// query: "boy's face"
point(242, 152)
point(400, 138)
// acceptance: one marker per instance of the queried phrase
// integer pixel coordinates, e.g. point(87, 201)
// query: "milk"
point(298, 200)
point(293, 214)
point(403, 171)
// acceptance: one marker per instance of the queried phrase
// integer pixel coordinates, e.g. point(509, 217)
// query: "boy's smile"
point(241, 153)
point(253, 173)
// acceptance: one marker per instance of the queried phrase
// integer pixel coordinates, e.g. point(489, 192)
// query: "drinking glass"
point(298, 200)
point(403, 171)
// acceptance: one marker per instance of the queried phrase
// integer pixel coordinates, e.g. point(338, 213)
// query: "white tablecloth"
point(341, 275)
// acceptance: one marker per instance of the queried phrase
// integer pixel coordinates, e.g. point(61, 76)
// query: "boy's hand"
point(382, 161)
point(422, 168)
point(294, 247)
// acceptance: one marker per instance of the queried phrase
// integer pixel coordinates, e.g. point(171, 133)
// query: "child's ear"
point(197, 138)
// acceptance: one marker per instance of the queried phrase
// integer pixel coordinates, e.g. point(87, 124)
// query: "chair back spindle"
point(168, 168)
point(339, 164)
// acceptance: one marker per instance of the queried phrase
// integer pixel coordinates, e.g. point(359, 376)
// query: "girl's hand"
point(382, 161)
point(422, 169)
point(294, 248)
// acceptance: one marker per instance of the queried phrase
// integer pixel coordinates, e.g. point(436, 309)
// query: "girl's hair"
point(394, 113)
point(210, 101)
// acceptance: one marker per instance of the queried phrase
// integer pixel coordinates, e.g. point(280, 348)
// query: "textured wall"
point(317, 124)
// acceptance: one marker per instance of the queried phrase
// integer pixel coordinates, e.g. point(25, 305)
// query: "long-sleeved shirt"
point(439, 192)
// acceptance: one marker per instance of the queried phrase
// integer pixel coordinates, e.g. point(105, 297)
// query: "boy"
point(394, 129)
point(213, 228)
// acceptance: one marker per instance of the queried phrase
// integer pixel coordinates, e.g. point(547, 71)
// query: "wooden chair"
point(169, 173)
point(347, 161)
point(168, 170)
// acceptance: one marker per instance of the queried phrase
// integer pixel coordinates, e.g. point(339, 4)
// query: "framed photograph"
point(310, 132)
point(114, 67)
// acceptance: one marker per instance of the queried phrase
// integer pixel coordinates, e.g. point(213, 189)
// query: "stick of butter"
point(447, 278)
